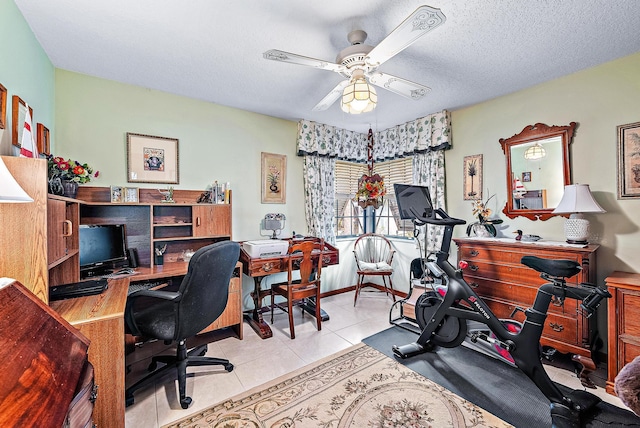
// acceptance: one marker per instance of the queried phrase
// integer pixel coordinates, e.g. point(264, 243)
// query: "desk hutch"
point(41, 249)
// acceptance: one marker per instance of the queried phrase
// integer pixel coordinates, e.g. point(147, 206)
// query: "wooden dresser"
point(496, 274)
point(623, 323)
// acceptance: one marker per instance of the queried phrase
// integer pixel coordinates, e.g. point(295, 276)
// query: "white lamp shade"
point(577, 198)
point(10, 190)
point(359, 96)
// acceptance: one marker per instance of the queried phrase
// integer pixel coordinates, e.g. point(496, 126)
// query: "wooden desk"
point(258, 268)
point(167, 270)
point(101, 319)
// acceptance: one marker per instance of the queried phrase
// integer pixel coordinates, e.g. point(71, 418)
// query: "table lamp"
point(577, 199)
point(10, 190)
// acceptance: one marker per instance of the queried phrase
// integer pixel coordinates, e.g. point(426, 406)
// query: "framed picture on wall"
point(44, 145)
point(472, 177)
point(526, 176)
point(152, 159)
point(273, 177)
point(629, 161)
point(19, 107)
point(117, 194)
point(3, 106)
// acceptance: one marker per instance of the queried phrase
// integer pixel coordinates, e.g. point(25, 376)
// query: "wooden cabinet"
point(496, 274)
point(39, 239)
point(623, 322)
point(211, 220)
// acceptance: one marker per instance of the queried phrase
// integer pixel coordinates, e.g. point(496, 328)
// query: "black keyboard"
point(137, 286)
point(77, 289)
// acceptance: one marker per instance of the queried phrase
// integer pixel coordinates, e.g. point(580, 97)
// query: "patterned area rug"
point(359, 387)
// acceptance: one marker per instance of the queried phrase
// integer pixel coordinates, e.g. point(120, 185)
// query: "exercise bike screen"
point(413, 201)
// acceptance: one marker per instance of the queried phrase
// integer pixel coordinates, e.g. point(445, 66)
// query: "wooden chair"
point(305, 256)
point(374, 255)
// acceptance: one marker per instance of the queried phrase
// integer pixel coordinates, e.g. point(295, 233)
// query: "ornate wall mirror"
point(538, 168)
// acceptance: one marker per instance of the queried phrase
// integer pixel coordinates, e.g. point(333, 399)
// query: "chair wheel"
point(186, 402)
point(128, 400)
point(228, 367)
point(152, 366)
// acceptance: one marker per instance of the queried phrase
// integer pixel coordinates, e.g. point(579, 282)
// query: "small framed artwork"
point(472, 177)
point(44, 145)
point(274, 183)
point(526, 176)
point(3, 106)
point(117, 195)
point(152, 159)
point(131, 195)
point(17, 116)
point(629, 161)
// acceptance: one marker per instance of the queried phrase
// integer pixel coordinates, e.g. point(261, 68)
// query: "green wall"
point(598, 99)
point(25, 70)
point(219, 143)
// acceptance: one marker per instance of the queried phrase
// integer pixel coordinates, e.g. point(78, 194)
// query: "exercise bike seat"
point(556, 268)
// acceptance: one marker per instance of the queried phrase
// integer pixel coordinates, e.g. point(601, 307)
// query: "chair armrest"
point(158, 294)
point(393, 252)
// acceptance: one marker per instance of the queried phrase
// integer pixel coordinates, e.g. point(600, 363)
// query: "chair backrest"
point(205, 287)
point(373, 248)
point(305, 256)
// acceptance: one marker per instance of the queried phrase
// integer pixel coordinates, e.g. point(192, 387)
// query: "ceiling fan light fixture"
point(535, 152)
point(359, 96)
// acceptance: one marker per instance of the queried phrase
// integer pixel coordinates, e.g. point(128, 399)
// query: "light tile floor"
point(257, 361)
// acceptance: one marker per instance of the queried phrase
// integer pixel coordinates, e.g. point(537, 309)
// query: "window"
point(351, 219)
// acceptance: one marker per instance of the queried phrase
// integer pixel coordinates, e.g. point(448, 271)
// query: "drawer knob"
point(267, 267)
point(474, 285)
point(556, 327)
point(474, 268)
point(326, 259)
point(474, 253)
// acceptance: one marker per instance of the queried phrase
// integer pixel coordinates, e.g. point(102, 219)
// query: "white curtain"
point(423, 138)
point(319, 195)
point(428, 170)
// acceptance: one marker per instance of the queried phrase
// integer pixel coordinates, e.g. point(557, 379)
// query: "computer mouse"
point(127, 271)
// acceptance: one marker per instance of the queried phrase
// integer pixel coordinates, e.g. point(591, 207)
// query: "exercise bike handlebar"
point(444, 220)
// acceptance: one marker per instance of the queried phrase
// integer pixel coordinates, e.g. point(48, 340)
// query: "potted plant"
point(66, 174)
point(484, 226)
point(371, 191)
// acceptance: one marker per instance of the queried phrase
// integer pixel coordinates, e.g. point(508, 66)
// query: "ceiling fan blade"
point(398, 85)
point(331, 97)
point(419, 23)
point(277, 55)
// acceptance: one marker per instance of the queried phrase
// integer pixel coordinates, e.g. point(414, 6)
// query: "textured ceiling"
point(212, 49)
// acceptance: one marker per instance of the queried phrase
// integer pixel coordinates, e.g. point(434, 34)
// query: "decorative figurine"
point(526, 238)
point(168, 195)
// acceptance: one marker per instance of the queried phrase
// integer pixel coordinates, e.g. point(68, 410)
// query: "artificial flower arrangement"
point(70, 170)
point(370, 189)
point(480, 209)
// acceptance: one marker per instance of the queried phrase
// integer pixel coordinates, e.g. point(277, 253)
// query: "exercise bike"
point(443, 314)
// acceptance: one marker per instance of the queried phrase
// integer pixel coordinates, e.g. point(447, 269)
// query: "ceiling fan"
point(360, 62)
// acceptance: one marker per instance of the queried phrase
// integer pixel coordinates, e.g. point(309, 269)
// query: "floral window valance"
point(430, 133)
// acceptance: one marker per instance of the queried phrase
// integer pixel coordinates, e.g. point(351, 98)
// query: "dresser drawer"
point(518, 294)
point(556, 326)
point(503, 272)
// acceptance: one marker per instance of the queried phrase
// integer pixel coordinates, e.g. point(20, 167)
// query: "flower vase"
point(480, 231)
point(70, 189)
point(364, 203)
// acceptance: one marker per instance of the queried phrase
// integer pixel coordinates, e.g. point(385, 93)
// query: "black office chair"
point(178, 315)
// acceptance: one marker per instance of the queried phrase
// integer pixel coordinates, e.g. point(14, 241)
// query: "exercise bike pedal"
point(411, 349)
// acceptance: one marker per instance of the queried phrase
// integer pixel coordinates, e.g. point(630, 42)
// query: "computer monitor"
point(102, 246)
point(413, 201)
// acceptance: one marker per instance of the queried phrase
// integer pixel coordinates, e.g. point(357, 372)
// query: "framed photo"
point(526, 176)
point(629, 161)
point(152, 159)
point(131, 195)
point(17, 116)
point(472, 177)
point(43, 140)
point(117, 194)
point(274, 178)
point(3, 106)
